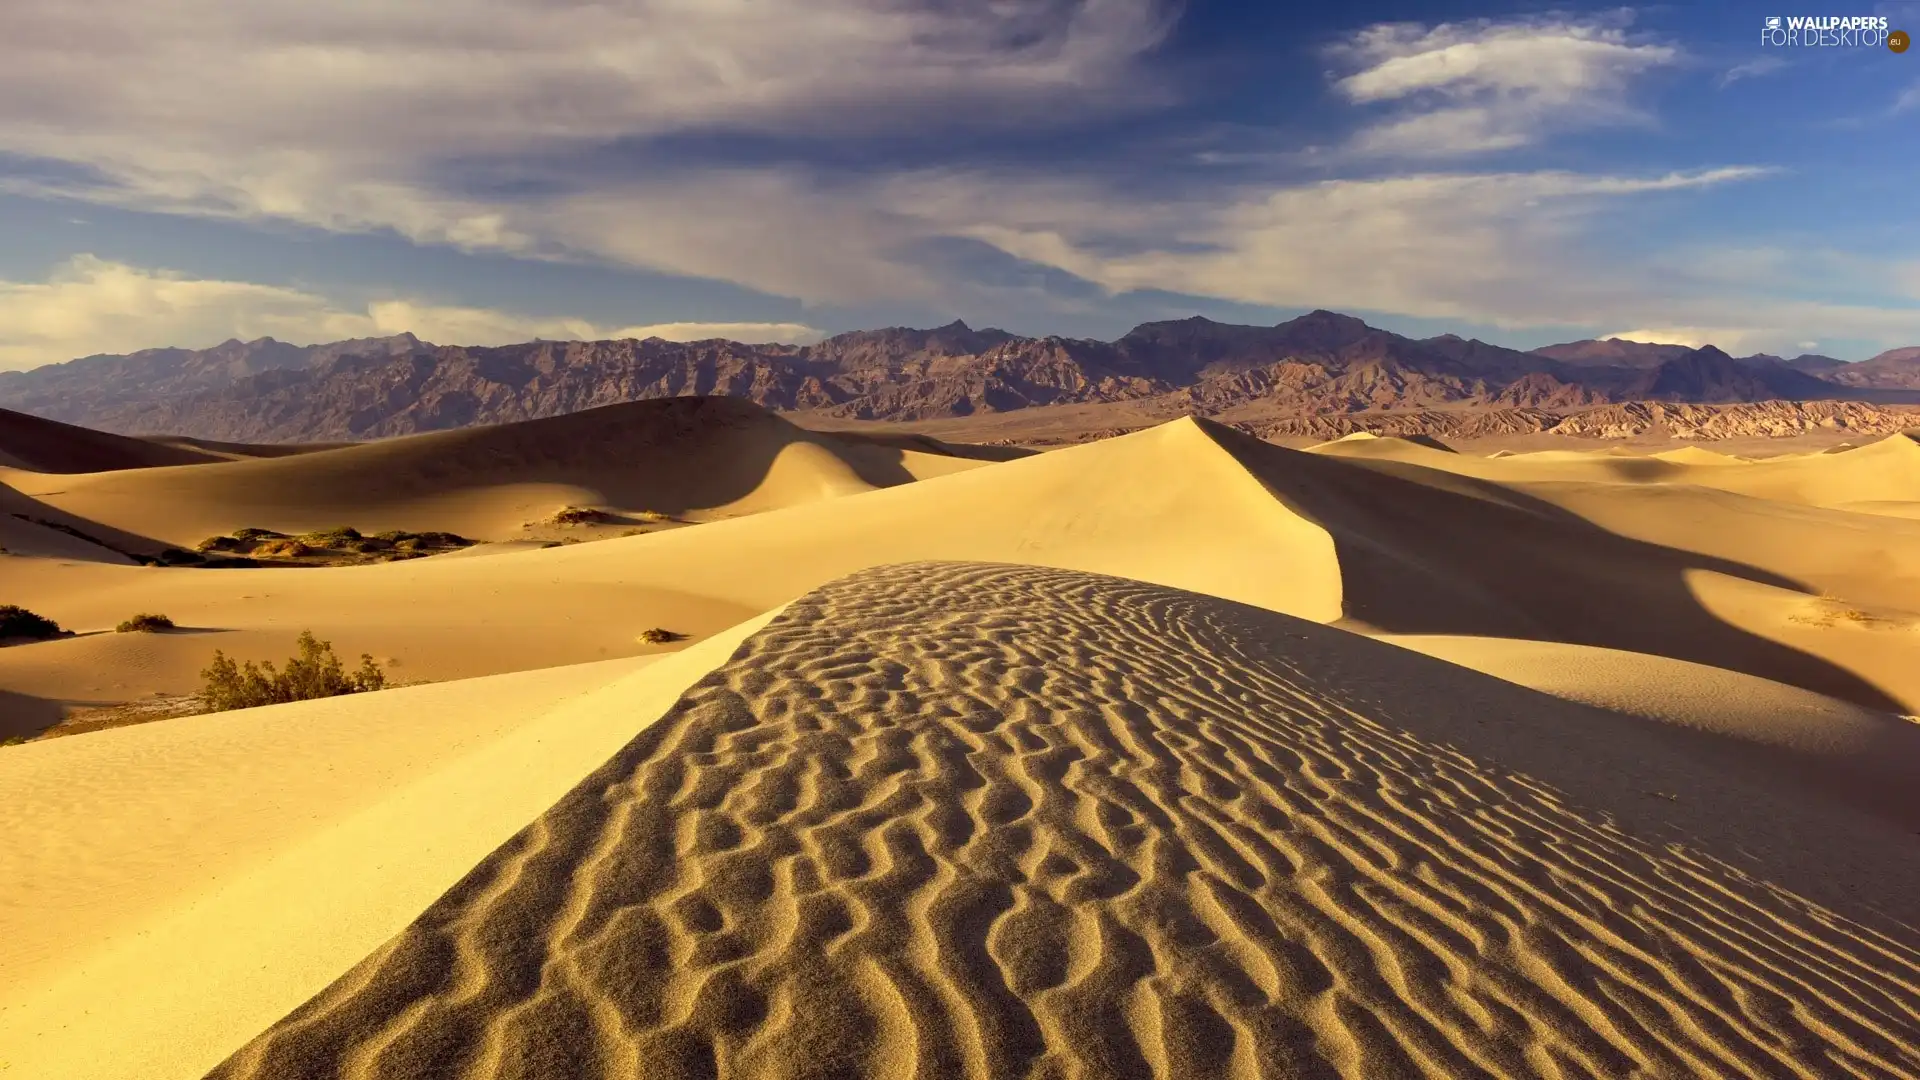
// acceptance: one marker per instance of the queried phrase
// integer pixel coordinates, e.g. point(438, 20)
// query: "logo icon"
point(1898, 41)
point(1773, 22)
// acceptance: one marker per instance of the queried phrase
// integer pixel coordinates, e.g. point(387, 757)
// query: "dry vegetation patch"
point(19, 624)
point(145, 623)
point(316, 672)
point(1831, 611)
point(341, 546)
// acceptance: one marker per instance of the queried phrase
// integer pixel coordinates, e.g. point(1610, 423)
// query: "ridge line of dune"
point(194, 980)
point(1000, 821)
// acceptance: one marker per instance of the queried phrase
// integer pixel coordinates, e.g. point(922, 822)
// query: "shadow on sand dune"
point(24, 716)
point(1428, 552)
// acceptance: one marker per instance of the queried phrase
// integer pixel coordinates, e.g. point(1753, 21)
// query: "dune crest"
point(995, 821)
point(675, 454)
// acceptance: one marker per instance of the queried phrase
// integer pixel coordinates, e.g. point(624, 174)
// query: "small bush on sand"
point(18, 622)
point(659, 636)
point(145, 623)
point(315, 673)
point(653, 516)
point(339, 536)
point(250, 534)
point(283, 549)
point(577, 515)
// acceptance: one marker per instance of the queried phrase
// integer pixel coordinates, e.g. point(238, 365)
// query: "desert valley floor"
point(1173, 754)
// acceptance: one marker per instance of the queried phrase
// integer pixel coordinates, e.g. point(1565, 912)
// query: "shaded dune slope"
point(40, 445)
point(1885, 470)
point(673, 455)
point(993, 821)
point(1427, 551)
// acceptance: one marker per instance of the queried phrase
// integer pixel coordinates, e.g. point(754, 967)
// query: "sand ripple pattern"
point(963, 820)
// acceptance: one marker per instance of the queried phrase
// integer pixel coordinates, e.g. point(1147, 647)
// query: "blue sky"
point(177, 172)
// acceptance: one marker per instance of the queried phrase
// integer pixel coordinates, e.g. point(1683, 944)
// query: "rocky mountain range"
point(1321, 365)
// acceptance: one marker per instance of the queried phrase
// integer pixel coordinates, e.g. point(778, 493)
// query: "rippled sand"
point(997, 821)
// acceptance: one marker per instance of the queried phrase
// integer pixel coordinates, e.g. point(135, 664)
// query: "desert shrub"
point(443, 539)
point(315, 673)
point(338, 536)
point(18, 622)
point(391, 535)
point(221, 543)
point(370, 544)
point(577, 515)
point(287, 548)
point(653, 516)
point(145, 623)
point(659, 636)
point(249, 534)
point(180, 557)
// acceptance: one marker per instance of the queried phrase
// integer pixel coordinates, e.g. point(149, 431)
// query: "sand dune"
point(673, 456)
point(1166, 505)
point(1861, 756)
point(32, 443)
point(1004, 821)
point(171, 889)
point(1054, 770)
point(1886, 470)
point(1673, 570)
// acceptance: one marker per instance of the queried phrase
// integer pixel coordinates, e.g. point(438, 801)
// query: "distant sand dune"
point(671, 455)
point(991, 821)
point(48, 446)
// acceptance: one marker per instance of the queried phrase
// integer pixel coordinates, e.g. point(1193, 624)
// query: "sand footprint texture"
point(984, 820)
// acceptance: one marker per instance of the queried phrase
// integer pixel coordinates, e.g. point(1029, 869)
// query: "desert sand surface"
point(997, 821)
point(174, 887)
point(1176, 753)
point(682, 455)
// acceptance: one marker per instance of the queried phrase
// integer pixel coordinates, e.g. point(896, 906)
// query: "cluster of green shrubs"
point(19, 624)
point(315, 673)
point(344, 540)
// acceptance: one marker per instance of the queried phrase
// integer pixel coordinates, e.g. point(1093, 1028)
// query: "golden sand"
point(1119, 760)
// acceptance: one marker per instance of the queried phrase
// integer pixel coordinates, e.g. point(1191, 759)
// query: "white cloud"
point(91, 305)
point(1753, 69)
point(263, 107)
point(1908, 99)
point(1473, 87)
point(357, 115)
point(1498, 248)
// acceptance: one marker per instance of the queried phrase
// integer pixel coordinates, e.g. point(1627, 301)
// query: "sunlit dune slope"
point(1191, 504)
point(1166, 505)
point(1007, 821)
point(673, 455)
point(168, 890)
